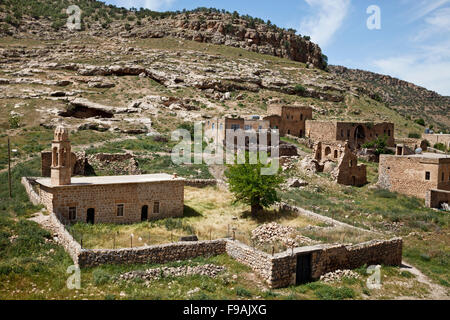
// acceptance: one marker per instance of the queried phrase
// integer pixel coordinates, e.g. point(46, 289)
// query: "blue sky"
point(413, 43)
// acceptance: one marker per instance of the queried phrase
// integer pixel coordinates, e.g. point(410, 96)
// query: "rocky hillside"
point(24, 18)
point(408, 99)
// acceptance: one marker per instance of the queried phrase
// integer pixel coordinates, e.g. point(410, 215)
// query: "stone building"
point(356, 133)
point(111, 199)
point(416, 174)
point(288, 120)
point(341, 162)
point(434, 139)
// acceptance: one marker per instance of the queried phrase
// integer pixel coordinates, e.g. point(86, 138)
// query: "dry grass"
point(209, 214)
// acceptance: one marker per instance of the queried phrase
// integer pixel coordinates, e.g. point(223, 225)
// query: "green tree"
point(250, 187)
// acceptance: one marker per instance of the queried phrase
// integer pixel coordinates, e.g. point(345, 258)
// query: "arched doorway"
point(327, 151)
point(144, 213)
point(360, 136)
point(90, 217)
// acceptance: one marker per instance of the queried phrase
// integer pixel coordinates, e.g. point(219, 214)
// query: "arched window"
point(335, 154)
point(55, 156)
point(327, 151)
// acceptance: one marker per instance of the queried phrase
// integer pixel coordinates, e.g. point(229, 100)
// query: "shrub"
point(414, 135)
point(14, 122)
point(299, 89)
point(440, 146)
point(420, 122)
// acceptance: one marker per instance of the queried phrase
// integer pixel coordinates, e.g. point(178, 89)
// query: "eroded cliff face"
point(222, 29)
point(214, 28)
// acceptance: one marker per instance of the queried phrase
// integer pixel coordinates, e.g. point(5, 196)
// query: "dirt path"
point(437, 292)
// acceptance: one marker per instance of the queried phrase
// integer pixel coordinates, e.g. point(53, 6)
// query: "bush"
point(14, 122)
point(299, 89)
point(440, 146)
point(420, 122)
point(414, 135)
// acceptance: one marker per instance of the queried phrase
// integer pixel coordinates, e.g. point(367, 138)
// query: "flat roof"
point(425, 155)
point(106, 180)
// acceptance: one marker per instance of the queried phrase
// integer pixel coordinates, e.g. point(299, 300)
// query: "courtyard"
point(209, 214)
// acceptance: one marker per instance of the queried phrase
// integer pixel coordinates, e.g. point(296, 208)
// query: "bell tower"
point(61, 169)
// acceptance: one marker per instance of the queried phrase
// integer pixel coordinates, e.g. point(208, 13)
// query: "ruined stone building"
point(425, 176)
point(356, 133)
point(111, 199)
point(288, 120)
point(434, 139)
point(337, 159)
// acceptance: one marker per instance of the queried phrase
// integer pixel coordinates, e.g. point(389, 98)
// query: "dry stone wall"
point(33, 196)
point(152, 254)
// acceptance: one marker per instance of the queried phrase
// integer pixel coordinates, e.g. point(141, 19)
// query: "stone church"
point(107, 199)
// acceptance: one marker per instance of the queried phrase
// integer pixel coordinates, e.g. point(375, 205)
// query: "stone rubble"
point(208, 270)
point(274, 232)
point(338, 275)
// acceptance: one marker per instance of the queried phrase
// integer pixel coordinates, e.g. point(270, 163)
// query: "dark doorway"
point(360, 136)
point(303, 269)
point(90, 218)
point(353, 181)
point(144, 213)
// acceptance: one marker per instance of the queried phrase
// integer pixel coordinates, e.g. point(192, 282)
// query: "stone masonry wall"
point(435, 198)
point(105, 198)
point(28, 184)
point(406, 175)
point(350, 257)
point(152, 254)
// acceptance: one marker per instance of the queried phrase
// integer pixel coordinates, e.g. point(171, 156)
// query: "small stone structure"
point(288, 120)
point(115, 199)
point(77, 162)
point(438, 138)
point(436, 198)
point(341, 162)
point(356, 133)
point(415, 175)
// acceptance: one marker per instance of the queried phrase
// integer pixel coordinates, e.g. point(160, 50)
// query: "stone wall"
point(438, 138)
point(32, 195)
point(200, 183)
point(105, 198)
point(258, 261)
point(152, 254)
point(78, 163)
point(356, 133)
point(375, 252)
point(435, 198)
point(279, 270)
point(407, 174)
point(72, 247)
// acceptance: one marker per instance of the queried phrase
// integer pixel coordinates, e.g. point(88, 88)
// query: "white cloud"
point(427, 62)
point(148, 4)
point(429, 69)
point(328, 18)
